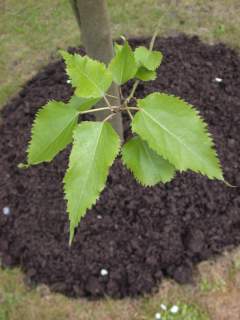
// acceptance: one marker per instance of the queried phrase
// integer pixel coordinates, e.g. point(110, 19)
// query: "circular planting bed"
point(134, 235)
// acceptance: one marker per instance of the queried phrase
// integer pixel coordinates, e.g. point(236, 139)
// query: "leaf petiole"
point(110, 116)
point(107, 102)
point(133, 91)
point(97, 110)
point(111, 96)
point(130, 114)
point(134, 108)
point(113, 109)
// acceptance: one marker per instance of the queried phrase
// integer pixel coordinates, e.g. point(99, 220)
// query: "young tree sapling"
point(169, 135)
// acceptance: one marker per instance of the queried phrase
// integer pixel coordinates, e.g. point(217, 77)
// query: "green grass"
point(32, 31)
point(18, 302)
point(235, 267)
point(10, 297)
point(187, 310)
point(207, 286)
point(236, 264)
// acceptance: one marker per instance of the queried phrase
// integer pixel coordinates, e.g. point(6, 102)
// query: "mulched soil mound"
point(137, 234)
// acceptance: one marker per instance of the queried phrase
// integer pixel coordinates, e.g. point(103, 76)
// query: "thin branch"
point(110, 116)
point(133, 108)
point(107, 102)
point(110, 96)
point(129, 113)
point(155, 34)
point(136, 83)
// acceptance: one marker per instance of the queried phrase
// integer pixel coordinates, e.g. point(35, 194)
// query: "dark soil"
point(137, 234)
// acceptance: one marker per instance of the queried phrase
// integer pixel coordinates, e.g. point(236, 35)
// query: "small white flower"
point(218, 79)
point(158, 316)
point(68, 81)
point(6, 211)
point(104, 272)
point(163, 307)
point(174, 309)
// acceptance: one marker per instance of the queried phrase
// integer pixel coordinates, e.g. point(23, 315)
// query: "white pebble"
point(163, 307)
point(218, 79)
point(174, 309)
point(158, 316)
point(104, 272)
point(68, 81)
point(99, 216)
point(6, 211)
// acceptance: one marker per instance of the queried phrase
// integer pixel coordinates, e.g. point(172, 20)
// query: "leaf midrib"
point(88, 171)
point(123, 64)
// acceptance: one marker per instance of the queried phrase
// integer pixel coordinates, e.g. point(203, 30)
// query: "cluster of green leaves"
point(168, 133)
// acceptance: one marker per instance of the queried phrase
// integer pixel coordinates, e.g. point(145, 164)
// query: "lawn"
point(214, 295)
point(31, 32)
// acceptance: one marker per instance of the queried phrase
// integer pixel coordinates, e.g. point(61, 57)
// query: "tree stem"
point(96, 36)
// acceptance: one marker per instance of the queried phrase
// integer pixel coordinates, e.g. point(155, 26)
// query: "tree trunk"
point(92, 18)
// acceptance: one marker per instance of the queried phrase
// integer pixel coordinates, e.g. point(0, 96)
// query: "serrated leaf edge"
point(204, 127)
point(35, 121)
point(146, 185)
point(85, 75)
point(126, 44)
point(152, 79)
point(143, 65)
point(100, 189)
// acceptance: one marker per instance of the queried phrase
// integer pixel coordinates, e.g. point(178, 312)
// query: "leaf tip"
point(63, 53)
point(71, 236)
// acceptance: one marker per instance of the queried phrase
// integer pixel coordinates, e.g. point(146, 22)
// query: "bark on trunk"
point(92, 18)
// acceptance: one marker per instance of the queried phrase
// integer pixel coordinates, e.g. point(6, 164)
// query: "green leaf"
point(147, 166)
point(123, 66)
point(145, 74)
point(176, 132)
point(82, 104)
point(95, 147)
point(90, 77)
point(51, 132)
point(117, 47)
point(149, 59)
